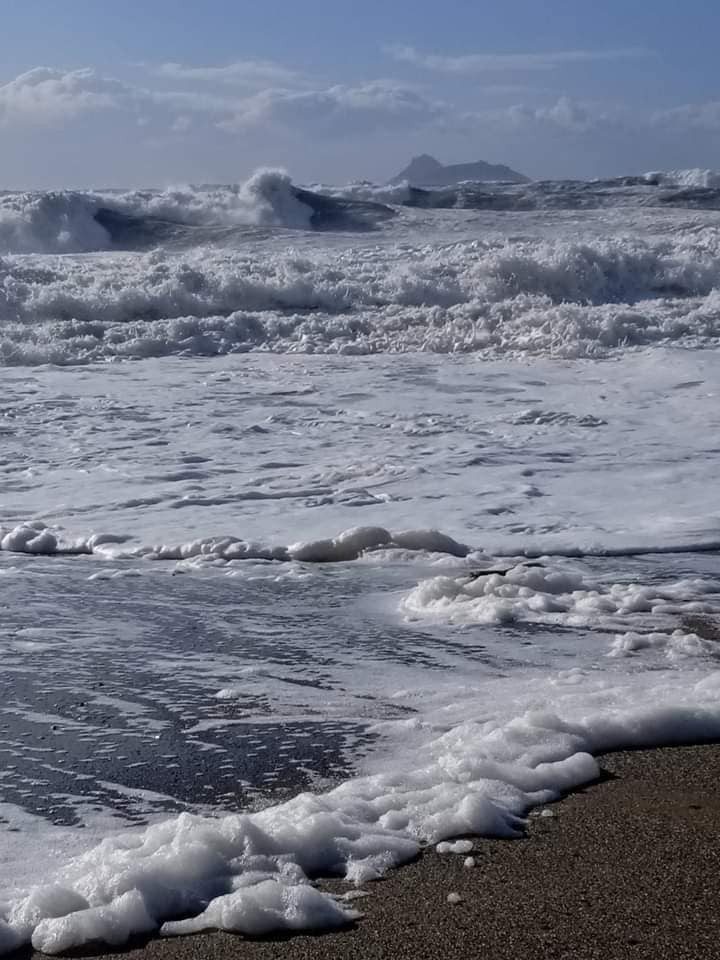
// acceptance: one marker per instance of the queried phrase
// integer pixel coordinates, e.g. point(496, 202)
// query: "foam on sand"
point(251, 873)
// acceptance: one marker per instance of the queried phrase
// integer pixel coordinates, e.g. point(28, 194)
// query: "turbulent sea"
point(338, 521)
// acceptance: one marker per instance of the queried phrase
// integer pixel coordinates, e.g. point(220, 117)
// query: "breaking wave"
point(274, 267)
point(691, 189)
point(685, 178)
point(83, 222)
point(546, 297)
point(86, 221)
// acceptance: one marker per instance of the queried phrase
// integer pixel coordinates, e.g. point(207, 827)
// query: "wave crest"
point(50, 223)
point(696, 177)
point(80, 222)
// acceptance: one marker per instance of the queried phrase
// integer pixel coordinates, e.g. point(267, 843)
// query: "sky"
point(155, 92)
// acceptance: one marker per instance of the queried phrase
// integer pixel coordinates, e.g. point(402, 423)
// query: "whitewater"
point(337, 522)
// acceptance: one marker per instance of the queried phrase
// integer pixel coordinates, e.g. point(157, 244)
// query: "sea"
point(337, 522)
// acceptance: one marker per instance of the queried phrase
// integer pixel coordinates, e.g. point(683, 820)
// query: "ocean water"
point(336, 522)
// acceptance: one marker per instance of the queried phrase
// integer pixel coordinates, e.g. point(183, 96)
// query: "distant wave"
point(207, 275)
point(705, 179)
point(184, 217)
point(80, 222)
point(694, 189)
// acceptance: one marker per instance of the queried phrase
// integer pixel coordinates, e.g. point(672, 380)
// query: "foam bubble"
point(459, 846)
point(251, 872)
point(36, 537)
point(552, 595)
point(676, 645)
point(267, 907)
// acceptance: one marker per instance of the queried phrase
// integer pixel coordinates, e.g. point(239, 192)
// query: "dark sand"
point(628, 867)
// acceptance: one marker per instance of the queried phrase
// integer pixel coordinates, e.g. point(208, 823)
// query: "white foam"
point(556, 297)
point(676, 645)
point(553, 595)
point(694, 177)
point(250, 872)
point(36, 537)
point(65, 222)
point(459, 846)
point(354, 543)
point(265, 199)
point(266, 907)
point(29, 538)
point(58, 919)
point(250, 466)
point(49, 223)
point(366, 190)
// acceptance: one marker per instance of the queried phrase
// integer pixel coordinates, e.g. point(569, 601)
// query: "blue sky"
point(153, 93)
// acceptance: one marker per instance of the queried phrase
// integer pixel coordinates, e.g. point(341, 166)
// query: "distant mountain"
point(426, 171)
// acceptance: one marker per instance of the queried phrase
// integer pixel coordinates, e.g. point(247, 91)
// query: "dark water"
point(108, 686)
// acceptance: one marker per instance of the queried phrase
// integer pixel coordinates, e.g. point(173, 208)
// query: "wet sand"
point(627, 867)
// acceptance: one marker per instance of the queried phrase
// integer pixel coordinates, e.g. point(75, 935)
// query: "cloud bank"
point(170, 120)
point(472, 63)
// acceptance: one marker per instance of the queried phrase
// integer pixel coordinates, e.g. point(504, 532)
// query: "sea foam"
point(252, 873)
point(496, 298)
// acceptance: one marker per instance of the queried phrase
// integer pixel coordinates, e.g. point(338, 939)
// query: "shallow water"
point(157, 692)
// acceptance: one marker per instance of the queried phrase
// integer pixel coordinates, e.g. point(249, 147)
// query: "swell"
point(78, 222)
point(570, 195)
point(690, 189)
point(186, 217)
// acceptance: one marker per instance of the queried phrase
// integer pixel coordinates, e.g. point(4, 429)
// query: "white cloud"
point(45, 95)
point(572, 116)
point(247, 73)
point(691, 116)
point(339, 110)
point(109, 124)
point(181, 124)
point(471, 63)
point(565, 114)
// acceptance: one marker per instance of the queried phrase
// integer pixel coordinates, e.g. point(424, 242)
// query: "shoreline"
point(624, 867)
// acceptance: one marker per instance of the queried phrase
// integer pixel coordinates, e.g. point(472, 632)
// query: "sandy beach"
point(627, 867)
